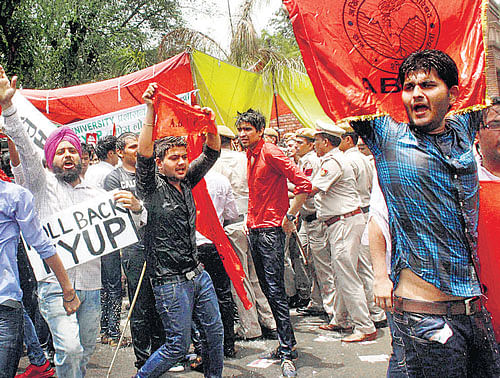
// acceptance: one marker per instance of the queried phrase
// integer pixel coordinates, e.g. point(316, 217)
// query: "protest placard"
point(84, 232)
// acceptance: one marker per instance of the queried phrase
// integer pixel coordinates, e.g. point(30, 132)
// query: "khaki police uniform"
point(233, 165)
point(337, 197)
point(312, 235)
point(363, 170)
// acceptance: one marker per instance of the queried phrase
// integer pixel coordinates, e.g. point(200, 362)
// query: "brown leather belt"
point(336, 218)
point(468, 306)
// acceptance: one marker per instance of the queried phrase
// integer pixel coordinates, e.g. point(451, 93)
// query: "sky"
point(211, 17)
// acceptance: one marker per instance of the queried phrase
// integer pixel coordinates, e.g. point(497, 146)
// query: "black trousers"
point(268, 248)
point(145, 324)
point(209, 257)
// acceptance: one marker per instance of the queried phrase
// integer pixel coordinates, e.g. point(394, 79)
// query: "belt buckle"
point(190, 275)
point(468, 306)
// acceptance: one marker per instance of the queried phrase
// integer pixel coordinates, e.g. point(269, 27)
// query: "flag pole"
point(136, 294)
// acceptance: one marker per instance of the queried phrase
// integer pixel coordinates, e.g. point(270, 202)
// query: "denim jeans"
point(145, 323)
point(111, 294)
point(11, 340)
point(177, 303)
point(448, 346)
point(75, 335)
point(30, 339)
point(268, 247)
point(397, 367)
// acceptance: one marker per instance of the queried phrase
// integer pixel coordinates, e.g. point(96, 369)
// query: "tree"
point(65, 42)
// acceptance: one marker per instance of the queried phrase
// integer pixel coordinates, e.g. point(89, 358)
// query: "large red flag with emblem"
point(175, 117)
point(489, 247)
point(352, 49)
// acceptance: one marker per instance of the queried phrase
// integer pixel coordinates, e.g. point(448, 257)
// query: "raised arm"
point(34, 174)
point(146, 143)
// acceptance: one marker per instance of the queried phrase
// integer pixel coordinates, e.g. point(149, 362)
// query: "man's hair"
point(225, 140)
point(354, 136)
point(164, 144)
point(87, 148)
point(104, 145)
point(334, 140)
point(253, 117)
point(426, 60)
point(121, 142)
point(494, 101)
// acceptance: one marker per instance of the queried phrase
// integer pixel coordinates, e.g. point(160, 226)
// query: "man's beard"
point(68, 175)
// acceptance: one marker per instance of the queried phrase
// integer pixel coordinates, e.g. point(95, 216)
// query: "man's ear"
point(453, 93)
point(119, 153)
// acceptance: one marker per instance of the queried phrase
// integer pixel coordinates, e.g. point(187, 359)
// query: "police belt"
point(468, 306)
point(158, 281)
point(336, 218)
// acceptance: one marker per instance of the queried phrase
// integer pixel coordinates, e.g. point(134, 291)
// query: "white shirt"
point(97, 173)
point(221, 193)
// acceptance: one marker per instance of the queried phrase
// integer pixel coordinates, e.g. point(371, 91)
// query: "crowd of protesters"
point(366, 224)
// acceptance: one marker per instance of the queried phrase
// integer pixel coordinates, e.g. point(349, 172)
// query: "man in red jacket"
point(269, 218)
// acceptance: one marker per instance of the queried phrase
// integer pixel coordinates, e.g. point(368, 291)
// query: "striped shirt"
point(431, 188)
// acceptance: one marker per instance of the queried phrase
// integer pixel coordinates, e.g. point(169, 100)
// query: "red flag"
point(352, 49)
point(175, 117)
point(489, 247)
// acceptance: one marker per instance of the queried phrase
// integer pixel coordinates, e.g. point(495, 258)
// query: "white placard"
point(36, 124)
point(86, 231)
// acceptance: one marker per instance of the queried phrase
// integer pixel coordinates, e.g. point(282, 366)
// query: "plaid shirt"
point(431, 188)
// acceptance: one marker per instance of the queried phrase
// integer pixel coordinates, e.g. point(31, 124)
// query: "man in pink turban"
point(63, 152)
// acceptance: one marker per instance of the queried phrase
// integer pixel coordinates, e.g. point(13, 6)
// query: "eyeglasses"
point(493, 125)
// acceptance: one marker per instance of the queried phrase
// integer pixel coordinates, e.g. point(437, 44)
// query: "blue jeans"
point(30, 339)
point(111, 294)
point(75, 335)
point(177, 303)
point(268, 248)
point(448, 346)
point(11, 340)
point(396, 368)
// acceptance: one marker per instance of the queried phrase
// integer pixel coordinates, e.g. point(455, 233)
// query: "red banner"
point(352, 49)
point(175, 117)
point(489, 247)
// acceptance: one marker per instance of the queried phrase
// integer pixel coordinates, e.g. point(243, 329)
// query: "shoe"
point(381, 324)
point(276, 354)
point(297, 301)
point(269, 334)
point(306, 311)
point(38, 371)
point(177, 368)
point(197, 364)
point(359, 337)
point(288, 368)
point(335, 328)
point(126, 342)
point(105, 339)
point(230, 352)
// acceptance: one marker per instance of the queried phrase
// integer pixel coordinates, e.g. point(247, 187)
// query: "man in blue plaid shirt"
point(428, 176)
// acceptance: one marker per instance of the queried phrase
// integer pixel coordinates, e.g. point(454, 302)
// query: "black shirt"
point(170, 231)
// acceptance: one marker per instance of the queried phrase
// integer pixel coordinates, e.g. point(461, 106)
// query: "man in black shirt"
point(145, 323)
point(180, 285)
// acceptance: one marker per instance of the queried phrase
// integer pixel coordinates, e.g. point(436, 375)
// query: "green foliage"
point(54, 43)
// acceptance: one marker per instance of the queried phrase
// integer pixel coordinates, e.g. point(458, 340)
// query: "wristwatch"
point(291, 217)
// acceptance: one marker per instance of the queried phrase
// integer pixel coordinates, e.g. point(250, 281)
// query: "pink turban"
point(56, 137)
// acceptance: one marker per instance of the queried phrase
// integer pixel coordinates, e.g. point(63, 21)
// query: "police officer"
point(313, 236)
point(363, 171)
point(338, 206)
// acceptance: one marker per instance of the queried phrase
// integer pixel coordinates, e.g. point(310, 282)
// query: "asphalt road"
point(321, 354)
